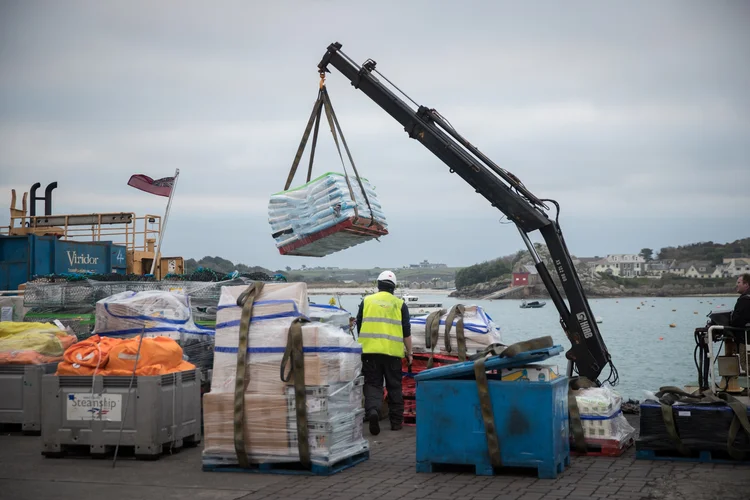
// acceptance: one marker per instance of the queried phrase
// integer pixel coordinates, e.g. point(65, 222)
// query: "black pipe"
point(48, 198)
point(32, 191)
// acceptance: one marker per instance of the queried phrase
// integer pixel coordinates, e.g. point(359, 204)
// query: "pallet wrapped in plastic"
point(601, 415)
point(12, 308)
point(24, 343)
point(701, 427)
point(331, 355)
point(333, 385)
point(479, 331)
point(321, 217)
point(156, 313)
point(332, 315)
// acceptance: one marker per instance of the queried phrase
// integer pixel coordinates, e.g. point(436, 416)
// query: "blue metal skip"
point(531, 418)
point(22, 257)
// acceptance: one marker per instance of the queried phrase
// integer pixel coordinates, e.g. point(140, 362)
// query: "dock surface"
point(389, 473)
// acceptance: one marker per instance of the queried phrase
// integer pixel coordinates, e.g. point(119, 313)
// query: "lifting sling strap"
point(574, 413)
point(246, 300)
point(432, 332)
point(324, 102)
point(294, 355)
point(485, 401)
point(670, 395)
point(457, 310)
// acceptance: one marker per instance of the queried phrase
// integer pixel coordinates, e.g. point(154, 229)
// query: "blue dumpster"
point(530, 418)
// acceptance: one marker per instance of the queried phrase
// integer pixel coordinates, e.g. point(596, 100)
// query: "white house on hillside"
point(700, 269)
point(736, 267)
point(624, 265)
point(657, 268)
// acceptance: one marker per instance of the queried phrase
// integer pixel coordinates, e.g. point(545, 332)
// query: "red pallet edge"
point(375, 230)
point(602, 447)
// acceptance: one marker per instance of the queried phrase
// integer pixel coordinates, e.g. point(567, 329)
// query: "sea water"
point(646, 351)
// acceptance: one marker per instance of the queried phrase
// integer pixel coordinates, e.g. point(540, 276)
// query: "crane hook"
point(322, 80)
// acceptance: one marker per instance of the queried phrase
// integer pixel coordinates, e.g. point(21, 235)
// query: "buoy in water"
point(672, 325)
point(661, 338)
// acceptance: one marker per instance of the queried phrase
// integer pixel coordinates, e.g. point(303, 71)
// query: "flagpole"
point(163, 226)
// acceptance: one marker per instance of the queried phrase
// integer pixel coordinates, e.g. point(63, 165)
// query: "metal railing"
point(121, 228)
point(712, 355)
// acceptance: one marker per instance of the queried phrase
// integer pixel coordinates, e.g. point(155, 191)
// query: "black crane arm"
point(506, 193)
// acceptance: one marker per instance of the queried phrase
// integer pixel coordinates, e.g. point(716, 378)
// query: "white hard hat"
point(387, 276)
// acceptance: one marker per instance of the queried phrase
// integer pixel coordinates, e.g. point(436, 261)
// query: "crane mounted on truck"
point(588, 355)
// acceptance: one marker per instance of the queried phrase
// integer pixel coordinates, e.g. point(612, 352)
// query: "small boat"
point(534, 304)
point(417, 308)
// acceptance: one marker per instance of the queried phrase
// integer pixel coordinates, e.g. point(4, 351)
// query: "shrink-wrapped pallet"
point(330, 314)
point(331, 355)
point(314, 219)
point(156, 313)
point(601, 415)
point(479, 331)
point(333, 385)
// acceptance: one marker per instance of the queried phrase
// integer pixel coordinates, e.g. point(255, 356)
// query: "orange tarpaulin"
point(117, 357)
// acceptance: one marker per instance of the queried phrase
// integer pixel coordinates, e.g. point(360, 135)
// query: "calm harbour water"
point(631, 335)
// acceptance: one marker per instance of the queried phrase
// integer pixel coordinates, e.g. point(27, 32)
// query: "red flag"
point(159, 187)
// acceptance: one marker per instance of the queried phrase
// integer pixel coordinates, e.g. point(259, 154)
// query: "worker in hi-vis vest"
point(385, 335)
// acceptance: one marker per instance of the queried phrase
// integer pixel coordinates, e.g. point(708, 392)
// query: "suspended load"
point(330, 213)
point(322, 217)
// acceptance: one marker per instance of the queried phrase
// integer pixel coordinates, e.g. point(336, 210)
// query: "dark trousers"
point(376, 368)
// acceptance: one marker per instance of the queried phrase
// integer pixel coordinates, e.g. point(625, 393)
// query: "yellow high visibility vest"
point(381, 331)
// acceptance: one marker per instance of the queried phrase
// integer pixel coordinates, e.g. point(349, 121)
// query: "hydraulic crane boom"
point(505, 192)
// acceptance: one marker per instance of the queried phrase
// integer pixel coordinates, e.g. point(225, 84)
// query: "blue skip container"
point(530, 418)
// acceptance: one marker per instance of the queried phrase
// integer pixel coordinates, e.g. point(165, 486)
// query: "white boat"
point(417, 308)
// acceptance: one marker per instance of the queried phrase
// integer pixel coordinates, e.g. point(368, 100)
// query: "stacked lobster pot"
point(294, 384)
point(602, 428)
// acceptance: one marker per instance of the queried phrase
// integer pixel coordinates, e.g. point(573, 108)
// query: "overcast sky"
point(634, 116)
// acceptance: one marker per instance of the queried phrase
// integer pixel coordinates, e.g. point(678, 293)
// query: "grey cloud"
point(634, 117)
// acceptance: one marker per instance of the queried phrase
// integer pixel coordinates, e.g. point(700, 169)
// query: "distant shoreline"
point(328, 290)
point(333, 291)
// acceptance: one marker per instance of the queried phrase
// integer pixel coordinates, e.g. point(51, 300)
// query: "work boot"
point(374, 422)
point(396, 427)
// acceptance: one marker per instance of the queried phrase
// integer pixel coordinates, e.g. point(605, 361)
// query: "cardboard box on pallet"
point(332, 360)
point(265, 424)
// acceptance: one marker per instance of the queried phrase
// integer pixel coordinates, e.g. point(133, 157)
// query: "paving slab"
point(389, 473)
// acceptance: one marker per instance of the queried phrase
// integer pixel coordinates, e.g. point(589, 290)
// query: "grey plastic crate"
point(163, 411)
point(21, 390)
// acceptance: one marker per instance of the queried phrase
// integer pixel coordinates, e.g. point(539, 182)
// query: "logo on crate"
point(87, 406)
point(76, 258)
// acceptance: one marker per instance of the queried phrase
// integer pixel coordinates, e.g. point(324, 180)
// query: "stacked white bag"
point(318, 205)
point(479, 331)
point(601, 415)
point(332, 382)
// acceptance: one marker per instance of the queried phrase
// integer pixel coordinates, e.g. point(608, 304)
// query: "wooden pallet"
point(602, 448)
point(712, 457)
point(124, 452)
point(292, 468)
point(341, 236)
point(544, 470)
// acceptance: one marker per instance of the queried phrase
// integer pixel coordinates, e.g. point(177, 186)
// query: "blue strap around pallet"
point(492, 363)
